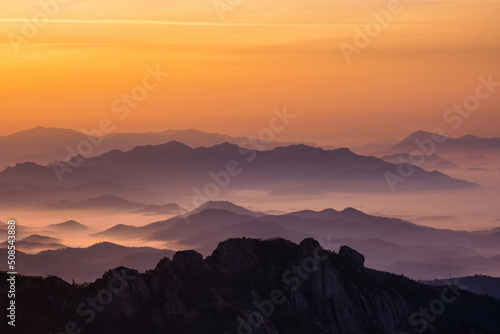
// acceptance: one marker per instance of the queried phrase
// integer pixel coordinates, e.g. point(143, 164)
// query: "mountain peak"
point(69, 224)
point(299, 147)
point(28, 165)
point(420, 132)
point(447, 145)
point(105, 245)
point(45, 131)
point(225, 145)
point(351, 211)
point(418, 135)
point(172, 145)
point(27, 168)
point(343, 152)
point(224, 205)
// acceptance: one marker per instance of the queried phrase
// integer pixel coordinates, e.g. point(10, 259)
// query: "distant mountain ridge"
point(409, 248)
point(478, 284)
point(174, 169)
point(224, 205)
point(35, 243)
point(468, 144)
point(106, 201)
point(43, 145)
point(88, 263)
point(69, 225)
point(430, 163)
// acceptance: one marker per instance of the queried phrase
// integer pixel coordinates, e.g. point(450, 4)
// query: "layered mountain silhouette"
point(154, 209)
point(86, 264)
point(454, 265)
point(44, 145)
point(223, 205)
point(30, 191)
point(430, 163)
point(447, 146)
point(175, 169)
point(68, 226)
point(107, 201)
point(36, 243)
point(417, 251)
point(252, 286)
point(479, 284)
point(111, 202)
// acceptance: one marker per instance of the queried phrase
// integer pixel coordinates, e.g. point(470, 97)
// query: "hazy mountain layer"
point(175, 170)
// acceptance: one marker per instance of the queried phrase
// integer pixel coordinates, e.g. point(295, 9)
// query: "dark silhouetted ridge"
point(334, 293)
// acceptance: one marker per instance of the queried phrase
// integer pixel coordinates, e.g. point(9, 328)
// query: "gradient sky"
point(227, 76)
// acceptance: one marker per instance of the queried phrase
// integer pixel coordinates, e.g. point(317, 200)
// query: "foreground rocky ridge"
point(251, 286)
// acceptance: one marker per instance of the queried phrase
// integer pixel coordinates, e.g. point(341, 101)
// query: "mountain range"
point(88, 263)
point(44, 145)
point(430, 163)
point(416, 251)
point(35, 242)
point(479, 284)
point(174, 170)
point(111, 202)
point(445, 146)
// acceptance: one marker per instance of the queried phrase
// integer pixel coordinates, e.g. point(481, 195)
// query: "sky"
point(229, 70)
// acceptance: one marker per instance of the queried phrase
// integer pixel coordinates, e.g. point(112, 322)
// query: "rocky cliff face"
point(252, 286)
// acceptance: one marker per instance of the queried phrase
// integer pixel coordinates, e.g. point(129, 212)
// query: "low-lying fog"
point(470, 209)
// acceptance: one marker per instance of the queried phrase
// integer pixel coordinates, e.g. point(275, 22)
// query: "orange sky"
point(227, 75)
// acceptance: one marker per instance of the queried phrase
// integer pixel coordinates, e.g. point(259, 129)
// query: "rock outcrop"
point(251, 286)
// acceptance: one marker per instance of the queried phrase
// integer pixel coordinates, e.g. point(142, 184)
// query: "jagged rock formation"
point(251, 286)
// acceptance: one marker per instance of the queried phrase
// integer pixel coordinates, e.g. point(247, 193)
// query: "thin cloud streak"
point(185, 23)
